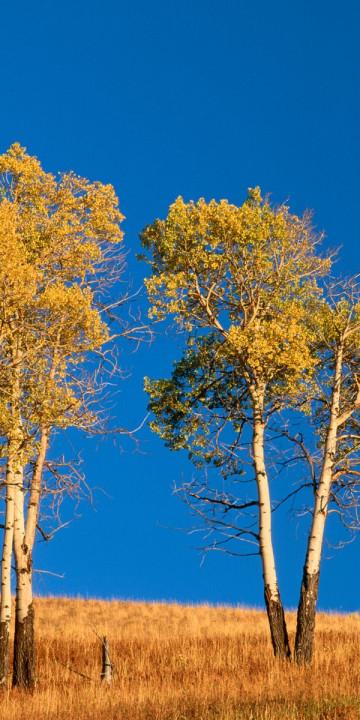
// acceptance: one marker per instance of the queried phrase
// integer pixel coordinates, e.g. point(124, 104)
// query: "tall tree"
point(17, 285)
point(336, 409)
point(236, 281)
point(60, 254)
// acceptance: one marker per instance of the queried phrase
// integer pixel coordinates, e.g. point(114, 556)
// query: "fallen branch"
point(87, 677)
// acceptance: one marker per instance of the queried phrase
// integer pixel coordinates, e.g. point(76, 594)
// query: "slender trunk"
point(35, 491)
point(24, 642)
point(5, 605)
point(275, 610)
point(13, 464)
point(24, 536)
point(306, 615)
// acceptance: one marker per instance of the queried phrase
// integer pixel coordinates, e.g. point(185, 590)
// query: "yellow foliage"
point(276, 348)
point(58, 248)
point(248, 272)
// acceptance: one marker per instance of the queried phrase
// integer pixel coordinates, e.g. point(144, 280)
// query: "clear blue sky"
point(196, 98)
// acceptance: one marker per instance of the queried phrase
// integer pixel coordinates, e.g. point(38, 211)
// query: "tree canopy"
point(239, 282)
point(60, 254)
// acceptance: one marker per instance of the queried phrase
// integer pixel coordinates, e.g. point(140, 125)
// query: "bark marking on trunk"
point(306, 616)
point(275, 611)
point(4, 654)
point(24, 535)
point(35, 492)
point(277, 622)
point(24, 642)
point(24, 657)
point(5, 604)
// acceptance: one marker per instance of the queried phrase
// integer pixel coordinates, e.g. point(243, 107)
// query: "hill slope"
point(183, 663)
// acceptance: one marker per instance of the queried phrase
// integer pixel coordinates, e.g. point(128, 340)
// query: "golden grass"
point(184, 663)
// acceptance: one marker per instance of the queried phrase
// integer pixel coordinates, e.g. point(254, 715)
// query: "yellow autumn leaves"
point(277, 349)
point(59, 252)
point(249, 272)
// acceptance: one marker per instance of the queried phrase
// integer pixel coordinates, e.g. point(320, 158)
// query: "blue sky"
point(199, 99)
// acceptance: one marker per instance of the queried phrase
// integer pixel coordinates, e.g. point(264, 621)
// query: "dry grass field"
point(183, 663)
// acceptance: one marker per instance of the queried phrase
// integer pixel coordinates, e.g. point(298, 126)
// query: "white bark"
point(275, 610)
point(24, 532)
point(265, 531)
point(310, 584)
point(313, 558)
point(5, 605)
point(21, 551)
point(35, 492)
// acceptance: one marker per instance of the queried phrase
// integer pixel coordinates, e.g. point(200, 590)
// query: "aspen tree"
point(18, 282)
point(236, 279)
point(336, 410)
point(60, 253)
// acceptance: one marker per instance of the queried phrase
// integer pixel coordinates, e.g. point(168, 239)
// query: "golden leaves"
point(59, 252)
point(230, 255)
point(276, 350)
point(248, 272)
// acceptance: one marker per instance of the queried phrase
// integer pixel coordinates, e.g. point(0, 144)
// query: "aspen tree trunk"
point(306, 615)
point(24, 536)
point(274, 608)
point(13, 466)
point(24, 645)
point(5, 605)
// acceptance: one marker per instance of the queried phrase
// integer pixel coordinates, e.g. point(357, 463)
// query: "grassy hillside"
point(183, 663)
